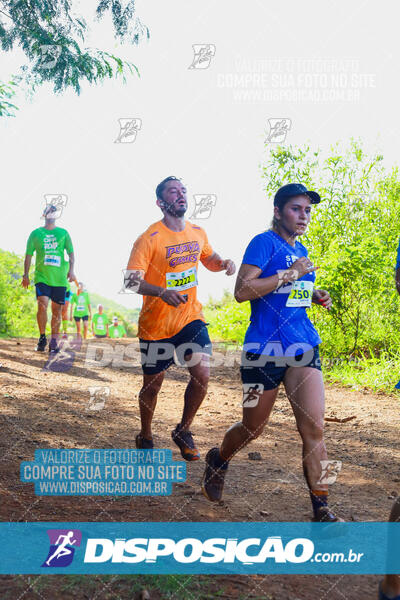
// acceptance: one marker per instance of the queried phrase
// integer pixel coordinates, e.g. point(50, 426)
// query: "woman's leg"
point(305, 390)
point(250, 427)
point(237, 437)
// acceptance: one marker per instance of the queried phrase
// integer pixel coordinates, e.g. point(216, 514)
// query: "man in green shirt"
point(52, 271)
point(65, 308)
point(100, 323)
point(80, 305)
point(116, 330)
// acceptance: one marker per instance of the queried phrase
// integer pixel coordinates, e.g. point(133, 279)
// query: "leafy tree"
point(352, 238)
point(52, 38)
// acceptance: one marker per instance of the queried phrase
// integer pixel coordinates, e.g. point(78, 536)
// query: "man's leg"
point(65, 316)
point(196, 389)
point(390, 585)
point(56, 310)
point(148, 400)
point(199, 369)
point(305, 390)
point(85, 329)
point(78, 328)
point(43, 302)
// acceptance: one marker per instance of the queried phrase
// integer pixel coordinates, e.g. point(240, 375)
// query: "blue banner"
point(214, 548)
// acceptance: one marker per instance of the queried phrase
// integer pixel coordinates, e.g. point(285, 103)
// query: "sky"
point(329, 71)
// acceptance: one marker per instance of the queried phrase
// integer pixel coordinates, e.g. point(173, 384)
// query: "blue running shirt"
point(398, 256)
point(276, 329)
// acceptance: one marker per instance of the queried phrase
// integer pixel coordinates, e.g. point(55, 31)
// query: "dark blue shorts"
point(85, 318)
point(271, 373)
point(55, 293)
point(158, 355)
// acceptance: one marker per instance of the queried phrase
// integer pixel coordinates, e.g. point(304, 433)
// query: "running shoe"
point(325, 515)
point(184, 441)
point(382, 595)
point(142, 443)
point(42, 343)
point(53, 346)
point(212, 484)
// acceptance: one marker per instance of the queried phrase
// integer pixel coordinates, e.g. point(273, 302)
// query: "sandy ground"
point(46, 409)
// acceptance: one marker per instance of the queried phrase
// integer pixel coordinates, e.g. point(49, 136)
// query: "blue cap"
point(294, 189)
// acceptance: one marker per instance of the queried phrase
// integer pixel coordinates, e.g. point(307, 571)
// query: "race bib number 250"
point(183, 280)
point(301, 294)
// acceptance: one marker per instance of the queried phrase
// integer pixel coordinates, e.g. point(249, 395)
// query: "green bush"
point(17, 305)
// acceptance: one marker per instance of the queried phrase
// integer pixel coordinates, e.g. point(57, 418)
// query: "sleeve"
point(207, 250)
point(258, 252)
point(30, 244)
point(68, 243)
point(398, 257)
point(140, 256)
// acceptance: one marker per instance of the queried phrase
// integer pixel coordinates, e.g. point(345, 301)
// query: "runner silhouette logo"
point(61, 551)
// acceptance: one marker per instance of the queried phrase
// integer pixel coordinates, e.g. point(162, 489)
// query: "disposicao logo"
point(190, 550)
point(62, 542)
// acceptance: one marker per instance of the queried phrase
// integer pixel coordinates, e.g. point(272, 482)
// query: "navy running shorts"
point(271, 373)
point(158, 355)
point(55, 293)
point(85, 318)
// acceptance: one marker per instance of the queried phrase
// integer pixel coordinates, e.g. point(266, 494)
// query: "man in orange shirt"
point(164, 263)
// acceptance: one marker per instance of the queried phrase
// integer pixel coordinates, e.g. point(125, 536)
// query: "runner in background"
point(81, 310)
point(116, 330)
point(65, 308)
point(51, 274)
point(166, 258)
point(100, 323)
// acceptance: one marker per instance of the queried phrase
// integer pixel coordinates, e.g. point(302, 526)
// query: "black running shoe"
point(185, 442)
point(325, 515)
point(212, 484)
point(53, 346)
point(42, 343)
point(142, 443)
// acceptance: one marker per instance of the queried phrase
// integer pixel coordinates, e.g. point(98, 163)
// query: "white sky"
point(196, 123)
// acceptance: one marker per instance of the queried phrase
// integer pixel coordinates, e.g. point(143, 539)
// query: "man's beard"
point(175, 211)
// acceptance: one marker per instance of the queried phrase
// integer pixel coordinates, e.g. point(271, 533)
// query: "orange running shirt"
point(169, 259)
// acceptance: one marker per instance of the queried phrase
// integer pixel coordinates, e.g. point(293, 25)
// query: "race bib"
point(301, 294)
point(183, 280)
point(81, 304)
point(52, 260)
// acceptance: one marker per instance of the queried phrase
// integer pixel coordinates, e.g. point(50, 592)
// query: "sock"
point(65, 326)
point(219, 462)
point(319, 498)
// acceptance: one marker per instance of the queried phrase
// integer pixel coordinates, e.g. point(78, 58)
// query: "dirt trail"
point(42, 409)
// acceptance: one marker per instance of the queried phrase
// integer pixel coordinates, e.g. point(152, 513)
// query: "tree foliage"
point(352, 238)
point(17, 306)
point(52, 38)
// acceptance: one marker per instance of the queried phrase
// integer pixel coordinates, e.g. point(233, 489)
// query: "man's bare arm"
point(216, 263)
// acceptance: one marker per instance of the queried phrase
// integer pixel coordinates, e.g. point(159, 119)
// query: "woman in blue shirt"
point(281, 345)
